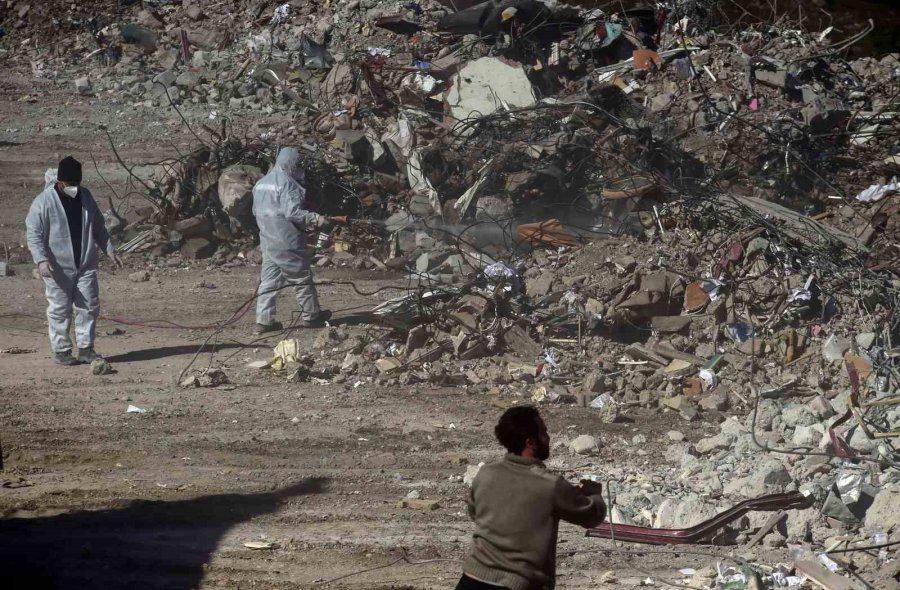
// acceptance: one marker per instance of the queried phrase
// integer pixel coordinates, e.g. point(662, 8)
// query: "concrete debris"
point(640, 215)
point(212, 377)
point(584, 445)
point(83, 86)
point(417, 504)
point(471, 472)
point(883, 512)
point(101, 367)
point(140, 276)
point(485, 85)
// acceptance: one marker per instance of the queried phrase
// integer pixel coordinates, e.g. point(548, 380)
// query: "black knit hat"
point(69, 170)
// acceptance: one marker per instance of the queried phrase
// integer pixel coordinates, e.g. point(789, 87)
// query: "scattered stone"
point(197, 249)
point(471, 472)
point(884, 513)
point(834, 348)
point(865, 340)
point(593, 383)
point(417, 504)
point(716, 400)
point(140, 276)
point(540, 285)
point(83, 86)
point(416, 338)
point(387, 364)
point(101, 367)
point(776, 78)
point(670, 323)
point(808, 436)
point(188, 80)
point(820, 407)
point(720, 441)
point(584, 445)
point(165, 79)
point(799, 415)
point(236, 189)
point(192, 227)
point(212, 377)
point(769, 477)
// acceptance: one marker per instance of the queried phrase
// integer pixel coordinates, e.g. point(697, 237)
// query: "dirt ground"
point(94, 496)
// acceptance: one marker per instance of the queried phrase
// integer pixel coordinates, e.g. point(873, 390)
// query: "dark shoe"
point(65, 358)
point(319, 320)
point(88, 355)
point(266, 328)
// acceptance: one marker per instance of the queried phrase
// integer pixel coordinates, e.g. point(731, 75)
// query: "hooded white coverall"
point(70, 286)
point(278, 208)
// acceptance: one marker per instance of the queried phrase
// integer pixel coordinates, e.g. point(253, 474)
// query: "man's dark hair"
point(516, 426)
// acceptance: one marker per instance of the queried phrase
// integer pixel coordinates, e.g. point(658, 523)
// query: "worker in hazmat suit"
point(66, 233)
point(283, 223)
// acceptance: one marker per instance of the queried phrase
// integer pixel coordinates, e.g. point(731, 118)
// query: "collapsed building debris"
point(611, 209)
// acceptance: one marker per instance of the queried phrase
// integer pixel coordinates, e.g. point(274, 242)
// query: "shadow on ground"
point(152, 354)
point(148, 545)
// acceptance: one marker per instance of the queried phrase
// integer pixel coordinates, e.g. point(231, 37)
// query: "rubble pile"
point(514, 112)
point(627, 211)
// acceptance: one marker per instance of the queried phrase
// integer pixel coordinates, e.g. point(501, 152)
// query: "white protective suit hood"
point(49, 178)
point(288, 161)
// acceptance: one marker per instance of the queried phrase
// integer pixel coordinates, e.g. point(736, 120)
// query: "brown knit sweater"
point(517, 505)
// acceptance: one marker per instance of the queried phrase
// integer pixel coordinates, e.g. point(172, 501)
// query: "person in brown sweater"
point(517, 504)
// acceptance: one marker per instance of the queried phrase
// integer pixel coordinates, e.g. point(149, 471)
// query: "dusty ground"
point(97, 497)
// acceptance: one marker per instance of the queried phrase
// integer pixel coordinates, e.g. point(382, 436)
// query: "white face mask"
point(71, 191)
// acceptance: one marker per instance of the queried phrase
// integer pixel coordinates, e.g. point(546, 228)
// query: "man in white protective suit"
point(66, 233)
point(283, 223)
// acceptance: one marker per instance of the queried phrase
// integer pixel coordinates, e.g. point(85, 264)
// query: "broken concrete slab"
point(236, 189)
point(197, 249)
point(797, 225)
point(193, 227)
point(540, 285)
point(484, 86)
point(518, 340)
point(776, 78)
point(671, 323)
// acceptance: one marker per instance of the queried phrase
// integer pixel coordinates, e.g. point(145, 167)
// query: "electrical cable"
point(403, 558)
point(865, 548)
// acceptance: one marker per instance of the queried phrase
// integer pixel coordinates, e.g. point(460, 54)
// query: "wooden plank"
point(670, 353)
point(797, 225)
point(639, 352)
point(825, 578)
point(766, 527)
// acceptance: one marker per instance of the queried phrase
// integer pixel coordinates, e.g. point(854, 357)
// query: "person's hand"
point(45, 269)
point(116, 260)
point(323, 221)
point(590, 488)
